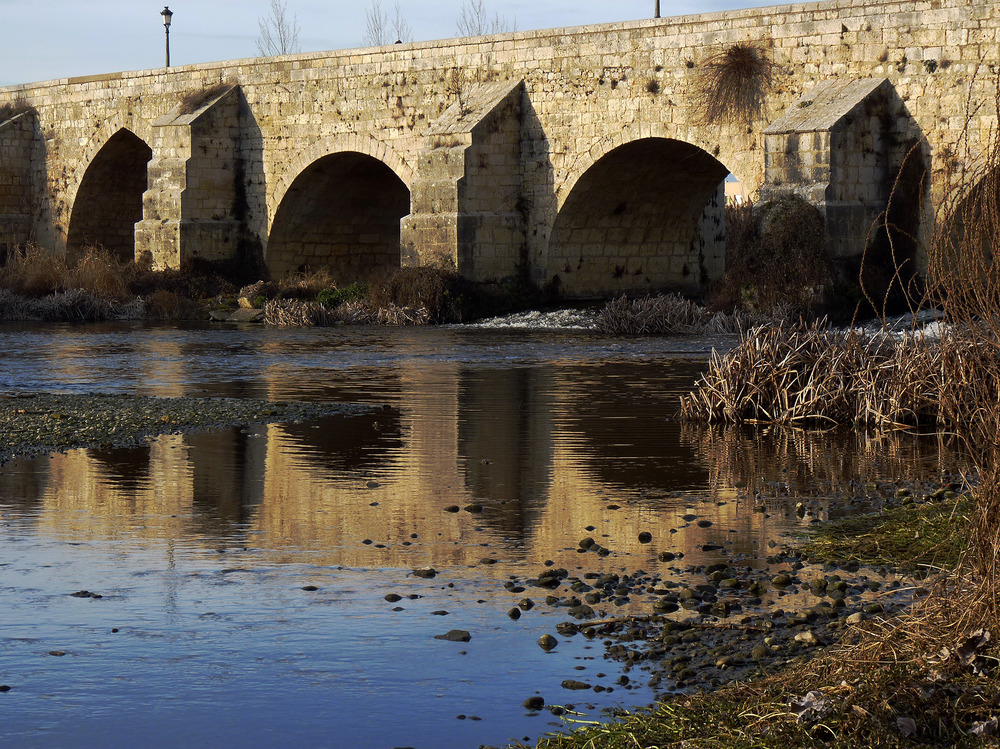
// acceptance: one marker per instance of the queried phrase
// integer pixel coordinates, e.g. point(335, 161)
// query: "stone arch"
point(639, 214)
point(110, 127)
point(601, 148)
point(340, 211)
point(107, 201)
point(351, 142)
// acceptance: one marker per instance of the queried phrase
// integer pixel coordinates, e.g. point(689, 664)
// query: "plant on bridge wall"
point(11, 110)
point(192, 101)
point(732, 85)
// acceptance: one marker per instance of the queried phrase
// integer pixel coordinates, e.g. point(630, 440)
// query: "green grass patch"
point(886, 708)
point(909, 538)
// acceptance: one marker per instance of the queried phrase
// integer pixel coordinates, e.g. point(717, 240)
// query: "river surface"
point(242, 574)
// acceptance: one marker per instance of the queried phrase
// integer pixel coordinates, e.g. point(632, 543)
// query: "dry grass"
point(74, 305)
point(294, 312)
point(192, 101)
point(670, 314)
point(12, 109)
point(445, 295)
point(807, 374)
point(732, 84)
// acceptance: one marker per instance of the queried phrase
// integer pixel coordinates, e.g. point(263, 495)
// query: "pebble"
point(454, 635)
point(547, 642)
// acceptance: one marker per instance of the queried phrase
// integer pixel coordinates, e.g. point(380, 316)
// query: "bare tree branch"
point(376, 26)
point(474, 20)
point(400, 27)
point(279, 31)
point(382, 29)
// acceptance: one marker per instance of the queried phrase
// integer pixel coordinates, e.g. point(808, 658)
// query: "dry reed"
point(74, 305)
point(293, 312)
point(670, 314)
point(808, 374)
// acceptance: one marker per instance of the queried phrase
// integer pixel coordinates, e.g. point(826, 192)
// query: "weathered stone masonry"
point(577, 153)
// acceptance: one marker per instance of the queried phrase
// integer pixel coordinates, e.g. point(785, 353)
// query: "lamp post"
point(656, 14)
point(167, 15)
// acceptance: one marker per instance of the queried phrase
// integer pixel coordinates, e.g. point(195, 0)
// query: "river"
point(231, 585)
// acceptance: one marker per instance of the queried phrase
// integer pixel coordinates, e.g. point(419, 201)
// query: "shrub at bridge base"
point(776, 262)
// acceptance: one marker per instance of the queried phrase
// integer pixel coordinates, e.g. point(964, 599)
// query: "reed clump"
point(669, 314)
point(301, 313)
point(776, 259)
point(809, 374)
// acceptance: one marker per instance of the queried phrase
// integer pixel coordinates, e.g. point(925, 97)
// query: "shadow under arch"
point(645, 215)
point(342, 213)
point(108, 202)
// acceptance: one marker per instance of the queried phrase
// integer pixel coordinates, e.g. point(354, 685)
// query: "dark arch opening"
point(109, 202)
point(647, 215)
point(341, 213)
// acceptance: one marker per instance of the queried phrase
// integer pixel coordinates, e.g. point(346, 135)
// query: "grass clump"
point(669, 314)
point(732, 84)
point(12, 109)
point(808, 374)
point(192, 101)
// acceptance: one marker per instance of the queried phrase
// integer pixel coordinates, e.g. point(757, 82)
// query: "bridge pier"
point(191, 207)
point(466, 206)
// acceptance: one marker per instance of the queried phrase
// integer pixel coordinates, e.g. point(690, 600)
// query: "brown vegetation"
point(776, 260)
point(732, 85)
point(11, 110)
point(192, 101)
point(670, 314)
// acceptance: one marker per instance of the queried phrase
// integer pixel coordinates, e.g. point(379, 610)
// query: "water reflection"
point(202, 543)
point(548, 454)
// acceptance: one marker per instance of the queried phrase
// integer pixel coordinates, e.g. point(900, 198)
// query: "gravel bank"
point(44, 422)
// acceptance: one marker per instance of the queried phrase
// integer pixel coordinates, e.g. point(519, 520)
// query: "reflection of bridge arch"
point(107, 201)
point(629, 217)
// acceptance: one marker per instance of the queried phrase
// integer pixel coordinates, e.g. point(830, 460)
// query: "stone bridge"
point(583, 154)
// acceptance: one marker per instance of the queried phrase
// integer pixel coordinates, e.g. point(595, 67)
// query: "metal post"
point(167, 15)
point(657, 13)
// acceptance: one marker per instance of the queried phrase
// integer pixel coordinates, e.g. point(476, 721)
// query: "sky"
point(46, 39)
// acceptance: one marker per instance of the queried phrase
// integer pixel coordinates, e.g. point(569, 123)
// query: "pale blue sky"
point(44, 39)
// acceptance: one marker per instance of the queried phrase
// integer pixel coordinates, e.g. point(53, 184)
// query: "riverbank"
point(33, 423)
point(878, 677)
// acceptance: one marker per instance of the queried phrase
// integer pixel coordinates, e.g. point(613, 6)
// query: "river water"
point(242, 573)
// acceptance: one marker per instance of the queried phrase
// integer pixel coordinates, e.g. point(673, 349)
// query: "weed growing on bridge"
point(192, 101)
point(11, 110)
point(732, 85)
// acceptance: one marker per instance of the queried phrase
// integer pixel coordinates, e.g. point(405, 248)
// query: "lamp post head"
point(167, 15)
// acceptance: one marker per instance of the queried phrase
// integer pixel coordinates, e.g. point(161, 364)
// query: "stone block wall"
point(16, 183)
